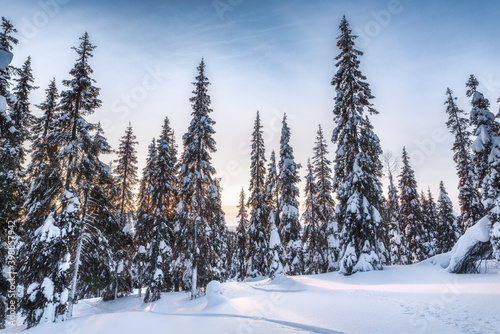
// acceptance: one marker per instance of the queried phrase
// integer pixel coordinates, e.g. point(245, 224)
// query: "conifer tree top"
point(353, 93)
point(6, 38)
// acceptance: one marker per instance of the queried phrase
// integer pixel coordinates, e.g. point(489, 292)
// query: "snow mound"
point(214, 295)
point(280, 283)
point(443, 260)
point(469, 245)
point(255, 279)
point(214, 288)
point(279, 279)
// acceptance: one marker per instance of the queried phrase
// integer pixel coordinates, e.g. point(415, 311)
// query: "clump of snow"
point(214, 295)
point(443, 260)
point(5, 59)
point(214, 287)
point(479, 233)
point(64, 296)
point(48, 288)
point(74, 203)
point(158, 274)
point(65, 263)
point(127, 229)
point(3, 103)
point(48, 230)
point(279, 278)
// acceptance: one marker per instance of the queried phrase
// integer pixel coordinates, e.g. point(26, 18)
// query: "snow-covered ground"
point(422, 298)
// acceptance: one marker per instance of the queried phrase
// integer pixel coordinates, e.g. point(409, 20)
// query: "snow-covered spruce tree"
point(275, 254)
point(231, 254)
point(126, 173)
point(81, 150)
point(125, 170)
point(20, 112)
point(44, 171)
point(8, 195)
point(397, 246)
point(102, 246)
point(196, 177)
point(45, 299)
point(239, 258)
point(447, 229)
point(79, 100)
point(258, 232)
point(288, 206)
point(101, 237)
point(272, 192)
point(480, 239)
point(370, 143)
point(357, 163)
point(322, 172)
point(44, 174)
point(411, 213)
point(20, 109)
point(429, 212)
point(217, 234)
point(13, 146)
point(486, 159)
point(471, 208)
point(313, 239)
point(144, 224)
point(163, 202)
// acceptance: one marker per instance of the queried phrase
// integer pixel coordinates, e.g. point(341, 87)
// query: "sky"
point(275, 57)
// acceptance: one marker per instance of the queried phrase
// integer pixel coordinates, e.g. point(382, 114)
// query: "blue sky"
point(274, 56)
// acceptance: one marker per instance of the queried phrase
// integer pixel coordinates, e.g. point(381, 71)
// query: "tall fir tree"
point(272, 191)
point(99, 237)
point(357, 162)
point(196, 177)
point(429, 212)
point(486, 159)
point(471, 208)
point(144, 224)
point(288, 205)
point(447, 228)
point(82, 145)
point(8, 194)
point(81, 99)
point(411, 213)
point(126, 173)
point(13, 146)
point(275, 254)
point(44, 171)
point(313, 239)
point(326, 205)
point(102, 247)
point(397, 245)
point(239, 258)
point(163, 202)
point(258, 232)
point(126, 179)
point(217, 234)
point(20, 112)
point(44, 175)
